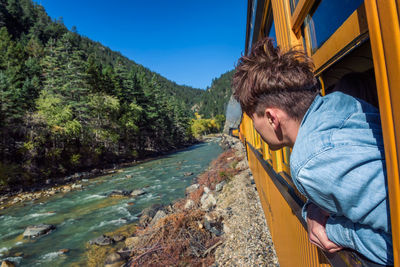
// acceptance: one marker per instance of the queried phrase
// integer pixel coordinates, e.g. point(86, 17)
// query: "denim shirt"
point(338, 163)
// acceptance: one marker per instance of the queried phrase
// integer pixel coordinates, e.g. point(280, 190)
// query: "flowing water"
point(83, 215)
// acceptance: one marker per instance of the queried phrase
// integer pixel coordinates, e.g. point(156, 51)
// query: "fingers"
point(316, 219)
point(320, 239)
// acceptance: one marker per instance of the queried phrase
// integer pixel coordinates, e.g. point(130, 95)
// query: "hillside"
point(70, 104)
point(214, 101)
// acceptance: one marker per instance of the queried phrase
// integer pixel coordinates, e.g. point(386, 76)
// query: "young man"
point(337, 160)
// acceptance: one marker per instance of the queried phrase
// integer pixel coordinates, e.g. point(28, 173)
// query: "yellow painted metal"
point(264, 19)
point(353, 27)
point(289, 236)
point(321, 81)
point(302, 9)
point(384, 31)
point(235, 132)
point(284, 35)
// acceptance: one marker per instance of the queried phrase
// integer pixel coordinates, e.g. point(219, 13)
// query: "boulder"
point(191, 188)
point(128, 176)
point(102, 241)
point(124, 252)
point(152, 210)
point(206, 190)
point(242, 165)
point(118, 238)
point(212, 222)
point(76, 186)
point(131, 242)
point(208, 201)
point(189, 204)
point(38, 230)
point(219, 186)
point(138, 192)
point(148, 214)
point(66, 188)
point(159, 215)
point(52, 192)
point(114, 260)
point(188, 174)
point(119, 193)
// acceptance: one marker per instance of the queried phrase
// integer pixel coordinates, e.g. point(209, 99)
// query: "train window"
point(293, 4)
point(269, 26)
point(326, 17)
point(272, 33)
point(252, 22)
point(354, 70)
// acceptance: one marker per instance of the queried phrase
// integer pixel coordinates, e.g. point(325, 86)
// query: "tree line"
point(69, 103)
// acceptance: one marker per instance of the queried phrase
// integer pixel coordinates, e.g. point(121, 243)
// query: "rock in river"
point(102, 241)
point(119, 193)
point(38, 230)
point(137, 192)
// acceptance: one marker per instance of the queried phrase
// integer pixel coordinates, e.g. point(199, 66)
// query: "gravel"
point(247, 240)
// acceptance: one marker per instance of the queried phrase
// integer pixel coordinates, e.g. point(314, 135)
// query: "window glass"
point(269, 27)
point(252, 23)
point(272, 33)
point(293, 4)
point(327, 18)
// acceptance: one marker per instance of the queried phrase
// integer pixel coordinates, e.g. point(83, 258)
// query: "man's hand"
point(316, 221)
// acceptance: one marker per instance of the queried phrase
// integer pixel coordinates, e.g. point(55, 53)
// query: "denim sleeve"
point(348, 181)
point(304, 210)
point(375, 245)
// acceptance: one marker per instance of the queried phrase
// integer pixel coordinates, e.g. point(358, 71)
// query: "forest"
point(70, 104)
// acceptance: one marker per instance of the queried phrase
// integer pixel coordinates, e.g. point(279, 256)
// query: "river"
point(83, 215)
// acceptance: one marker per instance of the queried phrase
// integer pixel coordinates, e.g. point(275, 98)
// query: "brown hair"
point(269, 78)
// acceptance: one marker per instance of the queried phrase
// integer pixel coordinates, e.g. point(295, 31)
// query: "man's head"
point(274, 86)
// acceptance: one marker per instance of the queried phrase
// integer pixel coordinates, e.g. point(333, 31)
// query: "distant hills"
point(214, 101)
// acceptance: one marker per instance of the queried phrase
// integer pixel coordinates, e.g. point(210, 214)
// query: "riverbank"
point(219, 223)
point(76, 181)
point(103, 206)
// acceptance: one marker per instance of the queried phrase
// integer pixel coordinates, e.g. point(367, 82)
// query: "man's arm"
point(316, 221)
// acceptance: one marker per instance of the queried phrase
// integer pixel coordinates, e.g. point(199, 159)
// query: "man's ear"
point(272, 117)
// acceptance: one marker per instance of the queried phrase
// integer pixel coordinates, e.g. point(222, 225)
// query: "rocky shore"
point(66, 184)
point(219, 223)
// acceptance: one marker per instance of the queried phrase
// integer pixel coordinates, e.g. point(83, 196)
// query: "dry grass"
point(176, 240)
point(179, 239)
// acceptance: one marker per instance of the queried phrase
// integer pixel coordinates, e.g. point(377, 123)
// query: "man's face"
point(265, 128)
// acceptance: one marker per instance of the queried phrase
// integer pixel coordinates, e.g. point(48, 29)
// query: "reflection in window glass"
point(293, 4)
point(327, 18)
point(272, 33)
point(286, 155)
point(252, 22)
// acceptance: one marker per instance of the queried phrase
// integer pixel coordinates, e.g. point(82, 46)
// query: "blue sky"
point(187, 41)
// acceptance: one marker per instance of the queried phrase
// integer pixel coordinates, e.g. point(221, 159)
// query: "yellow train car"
point(341, 37)
point(235, 133)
